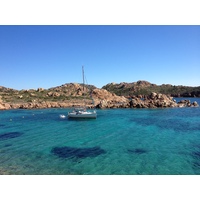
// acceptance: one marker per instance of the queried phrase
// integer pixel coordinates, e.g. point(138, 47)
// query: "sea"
point(161, 141)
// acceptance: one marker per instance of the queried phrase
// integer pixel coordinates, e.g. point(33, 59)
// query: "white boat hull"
point(91, 115)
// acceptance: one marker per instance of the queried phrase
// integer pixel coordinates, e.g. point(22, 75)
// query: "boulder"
point(5, 106)
point(53, 94)
point(195, 104)
point(2, 107)
point(79, 92)
point(153, 95)
point(159, 96)
point(49, 94)
point(56, 94)
point(33, 95)
point(133, 103)
point(102, 104)
point(40, 89)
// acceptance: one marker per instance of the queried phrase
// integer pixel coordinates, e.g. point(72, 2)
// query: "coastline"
point(121, 95)
point(152, 101)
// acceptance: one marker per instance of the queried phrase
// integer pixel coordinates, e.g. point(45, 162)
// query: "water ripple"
point(137, 151)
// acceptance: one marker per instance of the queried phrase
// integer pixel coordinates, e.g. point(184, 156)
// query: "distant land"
point(140, 87)
point(145, 88)
point(111, 95)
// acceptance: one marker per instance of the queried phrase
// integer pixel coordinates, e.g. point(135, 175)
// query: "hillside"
point(110, 96)
point(67, 91)
point(146, 88)
point(66, 95)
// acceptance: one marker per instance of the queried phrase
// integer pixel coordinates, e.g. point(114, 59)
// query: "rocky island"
point(141, 94)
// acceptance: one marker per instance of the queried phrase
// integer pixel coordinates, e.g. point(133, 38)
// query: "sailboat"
point(82, 112)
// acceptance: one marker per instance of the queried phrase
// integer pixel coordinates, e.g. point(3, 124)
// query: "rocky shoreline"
point(152, 101)
point(104, 99)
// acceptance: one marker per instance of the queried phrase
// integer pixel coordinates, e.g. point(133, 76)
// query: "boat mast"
point(83, 78)
point(83, 84)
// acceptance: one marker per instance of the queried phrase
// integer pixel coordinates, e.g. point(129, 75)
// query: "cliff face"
point(145, 88)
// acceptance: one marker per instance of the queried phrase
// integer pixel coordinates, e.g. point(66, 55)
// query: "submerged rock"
point(10, 135)
point(73, 152)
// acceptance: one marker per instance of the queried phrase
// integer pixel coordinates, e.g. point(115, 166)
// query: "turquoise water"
point(119, 141)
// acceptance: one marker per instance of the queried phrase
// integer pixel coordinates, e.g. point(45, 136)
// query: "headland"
point(140, 94)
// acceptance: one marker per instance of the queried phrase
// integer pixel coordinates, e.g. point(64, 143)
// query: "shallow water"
point(119, 141)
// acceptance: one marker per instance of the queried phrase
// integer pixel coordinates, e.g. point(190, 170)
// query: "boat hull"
point(82, 115)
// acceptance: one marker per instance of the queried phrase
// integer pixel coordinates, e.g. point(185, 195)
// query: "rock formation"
point(73, 94)
point(153, 101)
point(105, 99)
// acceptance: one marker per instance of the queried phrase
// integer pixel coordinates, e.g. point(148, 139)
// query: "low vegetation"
point(71, 91)
point(146, 88)
point(74, 91)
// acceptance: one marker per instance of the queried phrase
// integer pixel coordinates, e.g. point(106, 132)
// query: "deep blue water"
point(119, 141)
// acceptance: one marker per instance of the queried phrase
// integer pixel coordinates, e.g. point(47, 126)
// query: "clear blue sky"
point(48, 56)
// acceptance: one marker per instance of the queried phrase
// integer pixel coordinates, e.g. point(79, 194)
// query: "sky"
point(48, 56)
